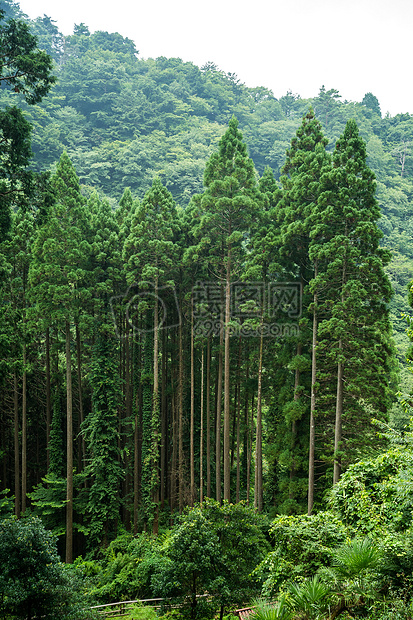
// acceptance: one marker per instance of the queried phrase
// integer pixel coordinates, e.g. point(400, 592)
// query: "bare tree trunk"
point(126, 417)
point(137, 435)
point(219, 408)
point(155, 414)
point(24, 432)
point(192, 458)
point(294, 426)
point(174, 459)
point(340, 393)
point(339, 417)
point(208, 416)
point(79, 384)
point(258, 497)
point(249, 458)
point(201, 436)
point(69, 472)
point(164, 421)
point(16, 448)
point(227, 466)
point(48, 398)
point(311, 455)
point(180, 423)
point(238, 421)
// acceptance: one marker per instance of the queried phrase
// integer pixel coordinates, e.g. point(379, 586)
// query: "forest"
point(204, 339)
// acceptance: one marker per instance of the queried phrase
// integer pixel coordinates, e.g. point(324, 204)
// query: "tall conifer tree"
point(355, 331)
point(149, 250)
point(59, 278)
point(228, 205)
point(306, 162)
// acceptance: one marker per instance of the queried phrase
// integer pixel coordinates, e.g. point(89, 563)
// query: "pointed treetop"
point(309, 135)
point(65, 178)
point(230, 159)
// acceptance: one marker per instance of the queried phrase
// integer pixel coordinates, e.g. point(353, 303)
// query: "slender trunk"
point(24, 432)
point(208, 417)
point(127, 414)
point(201, 435)
point(174, 442)
point(192, 458)
point(258, 439)
point(311, 454)
point(16, 448)
point(164, 421)
point(340, 394)
point(218, 410)
point(294, 426)
point(82, 459)
point(137, 355)
point(249, 458)
point(180, 422)
point(155, 414)
point(48, 397)
point(227, 466)
point(69, 472)
point(238, 487)
point(258, 496)
point(339, 416)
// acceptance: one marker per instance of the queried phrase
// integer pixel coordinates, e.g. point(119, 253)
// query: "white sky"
point(355, 46)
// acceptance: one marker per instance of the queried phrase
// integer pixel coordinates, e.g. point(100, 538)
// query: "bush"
point(302, 545)
point(33, 581)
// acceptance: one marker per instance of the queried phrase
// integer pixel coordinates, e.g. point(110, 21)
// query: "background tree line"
point(128, 392)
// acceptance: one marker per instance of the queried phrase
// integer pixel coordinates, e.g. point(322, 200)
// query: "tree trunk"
point(155, 414)
point(69, 472)
point(16, 448)
point(311, 454)
point(218, 409)
point(238, 415)
point(137, 433)
point(340, 394)
point(48, 398)
point(201, 435)
point(180, 422)
point(258, 498)
point(227, 466)
point(249, 458)
point(164, 421)
point(208, 417)
point(294, 426)
point(192, 425)
point(79, 385)
point(24, 432)
point(339, 416)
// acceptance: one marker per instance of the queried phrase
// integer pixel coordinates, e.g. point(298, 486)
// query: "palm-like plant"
point(310, 600)
point(356, 557)
point(264, 610)
point(352, 576)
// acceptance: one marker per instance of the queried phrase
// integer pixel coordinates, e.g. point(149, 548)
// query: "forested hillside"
point(196, 295)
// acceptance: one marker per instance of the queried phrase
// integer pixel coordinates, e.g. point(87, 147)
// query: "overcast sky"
point(355, 46)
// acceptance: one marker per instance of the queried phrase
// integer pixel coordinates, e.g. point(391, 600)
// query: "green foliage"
point(375, 496)
point(102, 436)
point(6, 504)
point(302, 545)
point(309, 600)
point(263, 610)
point(23, 66)
point(33, 582)
point(127, 567)
point(213, 549)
